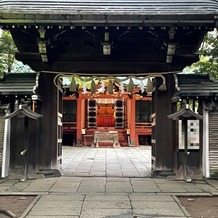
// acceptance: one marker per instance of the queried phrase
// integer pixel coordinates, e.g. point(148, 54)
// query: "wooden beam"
point(99, 19)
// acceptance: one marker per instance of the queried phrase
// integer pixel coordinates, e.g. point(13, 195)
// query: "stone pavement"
point(108, 196)
point(117, 162)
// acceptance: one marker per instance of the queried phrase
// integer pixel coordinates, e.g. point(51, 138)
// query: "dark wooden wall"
point(48, 124)
point(164, 129)
point(18, 143)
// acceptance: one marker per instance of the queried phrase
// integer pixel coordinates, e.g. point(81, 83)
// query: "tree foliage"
point(8, 63)
point(208, 63)
point(7, 51)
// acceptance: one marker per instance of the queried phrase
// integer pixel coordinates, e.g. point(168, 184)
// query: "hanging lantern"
point(110, 87)
point(149, 86)
point(73, 85)
point(130, 87)
point(93, 87)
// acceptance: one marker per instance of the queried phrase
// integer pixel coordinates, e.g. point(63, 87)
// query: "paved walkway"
point(105, 196)
point(116, 162)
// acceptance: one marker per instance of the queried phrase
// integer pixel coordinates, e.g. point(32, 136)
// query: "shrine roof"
point(23, 111)
point(196, 85)
point(18, 84)
point(110, 7)
point(141, 35)
point(185, 113)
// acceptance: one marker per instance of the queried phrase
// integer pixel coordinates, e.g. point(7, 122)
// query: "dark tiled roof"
point(143, 7)
point(184, 113)
point(197, 85)
point(18, 84)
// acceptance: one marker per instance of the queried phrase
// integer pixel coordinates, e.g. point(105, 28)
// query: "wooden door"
point(120, 114)
point(91, 113)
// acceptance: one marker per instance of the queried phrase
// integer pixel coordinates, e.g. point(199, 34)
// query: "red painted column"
point(133, 140)
point(79, 120)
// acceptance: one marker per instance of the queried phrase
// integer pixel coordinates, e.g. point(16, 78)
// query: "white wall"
point(205, 161)
point(6, 149)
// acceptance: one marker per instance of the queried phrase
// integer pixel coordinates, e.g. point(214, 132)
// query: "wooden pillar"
point(164, 148)
point(48, 125)
point(202, 134)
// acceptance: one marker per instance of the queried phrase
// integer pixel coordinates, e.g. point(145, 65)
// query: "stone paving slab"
point(214, 193)
point(108, 204)
point(3, 189)
point(118, 187)
point(66, 184)
point(149, 198)
point(97, 173)
point(55, 211)
point(92, 189)
point(156, 209)
point(117, 179)
point(106, 213)
point(37, 188)
point(144, 188)
point(80, 174)
point(8, 183)
point(142, 183)
point(212, 183)
point(58, 204)
point(92, 181)
point(63, 197)
point(107, 197)
point(64, 189)
point(52, 216)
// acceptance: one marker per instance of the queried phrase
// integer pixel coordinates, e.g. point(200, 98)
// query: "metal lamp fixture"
point(106, 44)
point(43, 50)
point(106, 49)
point(171, 48)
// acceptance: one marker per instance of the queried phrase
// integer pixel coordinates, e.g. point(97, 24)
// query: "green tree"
point(7, 51)
point(208, 63)
point(8, 63)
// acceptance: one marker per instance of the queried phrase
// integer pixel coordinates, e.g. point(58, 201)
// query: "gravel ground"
point(201, 206)
point(15, 203)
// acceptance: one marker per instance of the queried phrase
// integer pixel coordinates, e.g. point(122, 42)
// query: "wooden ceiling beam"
point(117, 68)
point(109, 20)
